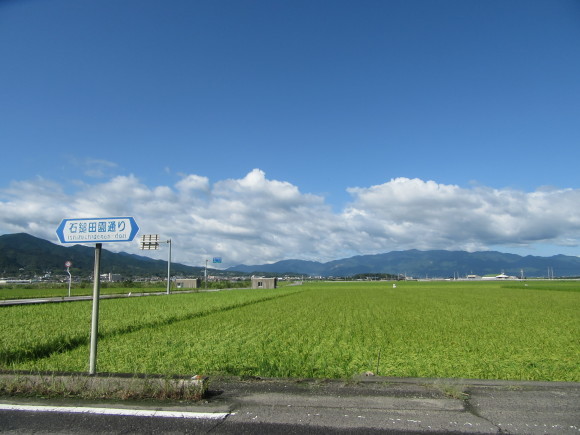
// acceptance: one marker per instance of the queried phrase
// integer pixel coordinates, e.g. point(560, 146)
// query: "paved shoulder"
point(364, 405)
point(406, 405)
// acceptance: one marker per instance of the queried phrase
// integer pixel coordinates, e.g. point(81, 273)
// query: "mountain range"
point(430, 264)
point(23, 254)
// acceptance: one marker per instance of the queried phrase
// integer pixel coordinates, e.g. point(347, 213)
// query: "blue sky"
point(265, 130)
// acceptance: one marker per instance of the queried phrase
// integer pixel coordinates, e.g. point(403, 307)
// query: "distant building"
point(501, 276)
point(264, 283)
point(111, 277)
point(188, 283)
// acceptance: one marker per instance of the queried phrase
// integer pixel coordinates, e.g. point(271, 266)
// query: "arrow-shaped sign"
point(97, 230)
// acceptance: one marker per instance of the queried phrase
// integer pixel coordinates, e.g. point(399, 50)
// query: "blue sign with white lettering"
point(97, 230)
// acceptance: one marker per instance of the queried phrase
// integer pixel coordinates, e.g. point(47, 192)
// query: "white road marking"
point(115, 411)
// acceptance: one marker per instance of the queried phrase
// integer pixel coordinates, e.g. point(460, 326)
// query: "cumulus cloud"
point(255, 219)
point(191, 183)
point(413, 213)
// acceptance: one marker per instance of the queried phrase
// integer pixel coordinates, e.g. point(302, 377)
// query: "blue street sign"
point(97, 230)
point(217, 259)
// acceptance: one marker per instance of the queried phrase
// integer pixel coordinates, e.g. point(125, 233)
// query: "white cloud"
point(192, 183)
point(94, 168)
point(255, 220)
point(414, 213)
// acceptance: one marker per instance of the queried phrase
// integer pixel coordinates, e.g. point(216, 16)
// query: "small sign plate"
point(149, 241)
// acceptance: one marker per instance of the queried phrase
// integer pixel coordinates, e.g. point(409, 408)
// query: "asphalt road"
point(47, 300)
point(364, 405)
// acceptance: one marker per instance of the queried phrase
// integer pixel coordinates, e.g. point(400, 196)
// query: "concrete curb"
point(104, 385)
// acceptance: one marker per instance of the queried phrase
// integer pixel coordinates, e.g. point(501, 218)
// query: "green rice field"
point(486, 330)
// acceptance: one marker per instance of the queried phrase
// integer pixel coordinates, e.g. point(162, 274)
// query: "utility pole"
point(169, 268)
point(205, 273)
point(151, 242)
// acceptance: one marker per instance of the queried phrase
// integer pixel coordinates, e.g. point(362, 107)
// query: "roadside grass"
point(449, 389)
point(318, 330)
point(79, 386)
point(41, 292)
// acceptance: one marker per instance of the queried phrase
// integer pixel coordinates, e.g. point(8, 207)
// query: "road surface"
point(363, 405)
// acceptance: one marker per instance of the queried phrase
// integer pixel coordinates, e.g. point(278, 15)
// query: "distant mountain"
point(421, 264)
point(25, 254)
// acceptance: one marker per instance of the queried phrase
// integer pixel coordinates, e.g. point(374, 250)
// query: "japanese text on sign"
point(96, 227)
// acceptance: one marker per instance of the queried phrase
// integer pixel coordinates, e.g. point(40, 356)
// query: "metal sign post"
point(169, 268)
point(95, 316)
point(68, 264)
point(151, 242)
point(96, 230)
point(214, 261)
